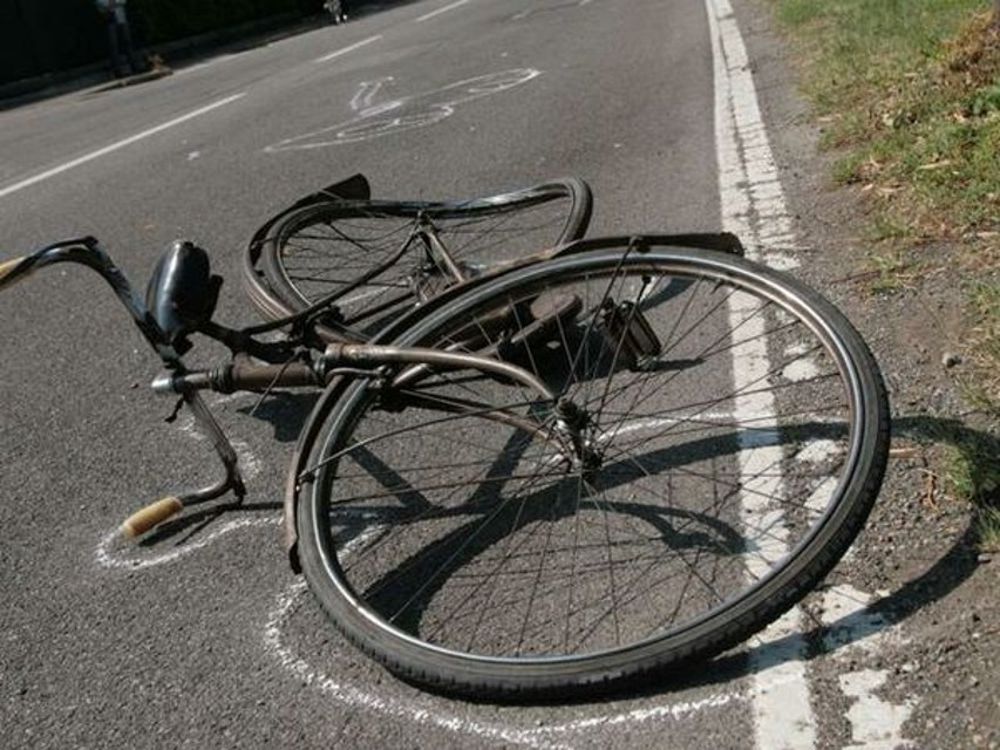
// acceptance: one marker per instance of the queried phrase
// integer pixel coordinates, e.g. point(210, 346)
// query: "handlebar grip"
point(8, 266)
point(156, 513)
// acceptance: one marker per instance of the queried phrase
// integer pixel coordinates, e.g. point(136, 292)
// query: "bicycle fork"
point(88, 252)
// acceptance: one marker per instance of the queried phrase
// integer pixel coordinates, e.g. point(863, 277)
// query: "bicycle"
point(542, 478)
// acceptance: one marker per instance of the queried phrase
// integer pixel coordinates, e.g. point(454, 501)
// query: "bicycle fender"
point(299, 463)
point(355, 187)
point(725, 242)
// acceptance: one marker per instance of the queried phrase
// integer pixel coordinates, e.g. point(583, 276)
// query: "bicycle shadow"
point(287, 413)
point(945, 575)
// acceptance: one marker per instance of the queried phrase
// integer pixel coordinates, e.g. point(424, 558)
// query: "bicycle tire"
point(290, 265)
point(351, 583)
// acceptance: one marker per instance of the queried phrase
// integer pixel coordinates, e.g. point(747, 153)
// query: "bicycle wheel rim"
point(321, 248)
point(810, 556)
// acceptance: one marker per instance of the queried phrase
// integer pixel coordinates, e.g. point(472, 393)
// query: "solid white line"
point(115, 146)
point(753, 206)
point(439, 11)
point(350, 48)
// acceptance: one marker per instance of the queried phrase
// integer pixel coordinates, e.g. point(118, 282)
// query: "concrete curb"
point(150, 75)
point(56, 83)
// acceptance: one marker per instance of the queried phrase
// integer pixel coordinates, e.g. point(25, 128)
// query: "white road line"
point(439, 11)
point(752, 207)
point(350, 48)
point(858, 631)
point(205, 64)
point(117, 145)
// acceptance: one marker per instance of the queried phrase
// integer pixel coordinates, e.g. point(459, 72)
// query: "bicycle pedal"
point(152, 515)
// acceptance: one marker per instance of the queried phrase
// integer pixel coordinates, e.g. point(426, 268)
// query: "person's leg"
point(118, 65)
point(133, 60)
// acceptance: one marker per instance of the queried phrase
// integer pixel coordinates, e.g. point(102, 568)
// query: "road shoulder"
point(930, 659)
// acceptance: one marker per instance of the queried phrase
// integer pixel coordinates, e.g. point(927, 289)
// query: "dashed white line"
point(439, 11)
point(203, 65)
point(350, 48)
point(117, 145)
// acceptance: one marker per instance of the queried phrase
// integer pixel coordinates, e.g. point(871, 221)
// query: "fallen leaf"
point(934, 165)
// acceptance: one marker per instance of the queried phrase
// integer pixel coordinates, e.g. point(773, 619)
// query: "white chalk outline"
point(543, 738)
point(250, 467)
point(106, 558)
point(375, 121)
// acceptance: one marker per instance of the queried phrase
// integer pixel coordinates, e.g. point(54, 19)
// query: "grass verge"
point(908, 93)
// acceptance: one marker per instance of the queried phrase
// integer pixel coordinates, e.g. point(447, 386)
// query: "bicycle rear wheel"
point(366, 249)
point(731, 433)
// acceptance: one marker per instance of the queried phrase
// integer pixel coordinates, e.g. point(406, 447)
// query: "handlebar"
point(241, 376)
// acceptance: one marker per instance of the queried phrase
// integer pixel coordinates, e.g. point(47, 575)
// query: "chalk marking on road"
point(542, 738)
point(439, 11)
point(362, 99)
point(350, 48)
point(752, 202)
point(404, 113)
point(112, 559)
point(250, 466)
point(117, 145)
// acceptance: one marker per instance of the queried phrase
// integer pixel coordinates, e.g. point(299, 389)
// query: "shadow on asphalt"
point(288, 412)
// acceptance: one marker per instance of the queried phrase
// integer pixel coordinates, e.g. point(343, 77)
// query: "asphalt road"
point(204, 637)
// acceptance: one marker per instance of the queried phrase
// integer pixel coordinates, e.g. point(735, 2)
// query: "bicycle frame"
point(300, 360)
point(242, 374)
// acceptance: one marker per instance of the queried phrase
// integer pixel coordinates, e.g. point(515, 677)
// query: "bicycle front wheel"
point(367, 249)
point(727, 437)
